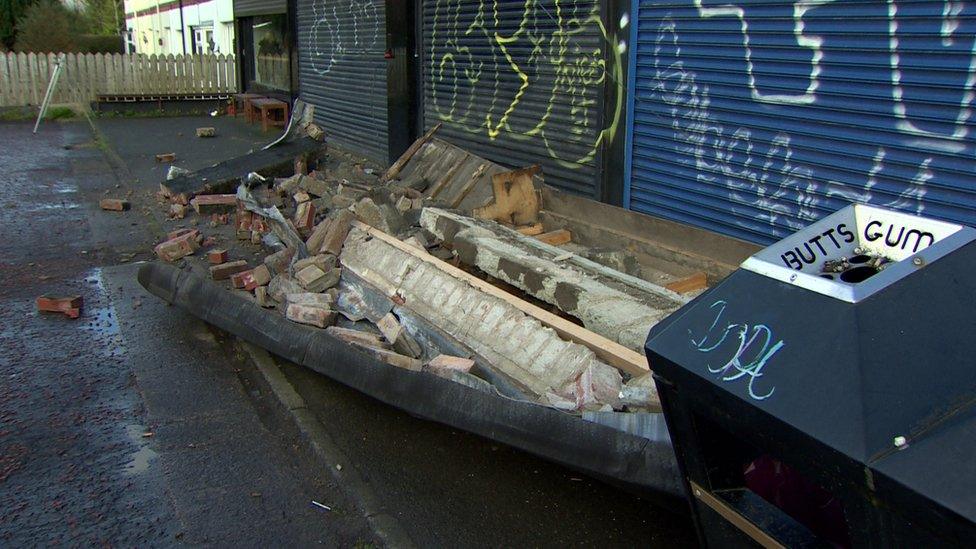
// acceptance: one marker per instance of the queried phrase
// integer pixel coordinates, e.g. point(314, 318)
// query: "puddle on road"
point(103, 322)
point(141, 459)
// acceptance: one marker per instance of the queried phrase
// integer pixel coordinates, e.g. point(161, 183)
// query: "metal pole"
point(50, 90)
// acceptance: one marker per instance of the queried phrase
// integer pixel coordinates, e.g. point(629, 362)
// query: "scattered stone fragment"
point(395, 333)
point(358, 337)
point(68, 306)
point(177, 211)
point(114, 204)
point(216, 257)
point(301, 165)
point(172, 173)
point(262, 297)
point(302, 196)
point(206, 132)
point(314, 132)
point(403, 204)
point(214, 203)
point(166, 157)
point(282, 285)
point(225, 270)
point(325, 301)
point(443, 363)
point(314, 316)
point(322, 261)
point(179, 247)
point(396, 359)
point(315, 186)
point(278, 262)
point(640, 393)
point(314, 279)
point(416, 243)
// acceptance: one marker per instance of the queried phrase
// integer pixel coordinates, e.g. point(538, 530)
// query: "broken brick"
point(166, 157)
point(324, 301)
point(336, 234)
point(262, 297)
point(225, 270)
point(443, 363)
point(68, 306)
point(216, 257)
point(302, 196)
point(214, 203)
point(305, 218)
point(244, 218)
point(395, 333)
point(357, 337)
point(179, 247)
point(237, 279)
point(114, 204)
point(278, 261)
point(206, 132)
point(258, 276)
point(314, 316)
point(301, 165)
point(180, 232)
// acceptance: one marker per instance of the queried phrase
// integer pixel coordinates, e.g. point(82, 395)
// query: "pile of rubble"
point(376, 262)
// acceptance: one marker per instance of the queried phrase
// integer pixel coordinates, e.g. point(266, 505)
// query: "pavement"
point(156, 430)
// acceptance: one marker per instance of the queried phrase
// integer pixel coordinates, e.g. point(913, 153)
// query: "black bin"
point(824, 394)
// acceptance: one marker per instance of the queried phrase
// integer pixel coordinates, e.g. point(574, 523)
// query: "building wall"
point(155, 27)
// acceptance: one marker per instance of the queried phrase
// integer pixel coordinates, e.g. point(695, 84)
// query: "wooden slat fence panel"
point(24, 76)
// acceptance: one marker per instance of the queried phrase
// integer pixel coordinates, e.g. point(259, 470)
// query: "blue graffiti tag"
point(757, 338)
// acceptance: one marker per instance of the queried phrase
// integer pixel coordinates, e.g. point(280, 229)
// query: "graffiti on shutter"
point(531, 71)
point(341, 30)
point(899, 92)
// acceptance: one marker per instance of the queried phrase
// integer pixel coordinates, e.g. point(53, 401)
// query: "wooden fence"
point(24, 76)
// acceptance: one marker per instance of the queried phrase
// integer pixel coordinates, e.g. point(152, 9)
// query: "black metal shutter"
point(521, 82)
point(342, 72)
point(244, 8)
point(755, 118)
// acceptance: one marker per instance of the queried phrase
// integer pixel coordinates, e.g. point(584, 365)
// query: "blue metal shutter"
point(520, 82)
point(342, 71)
point(755, 118)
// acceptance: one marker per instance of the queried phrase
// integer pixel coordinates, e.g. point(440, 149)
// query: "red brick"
point(178, 247)
point(258, 276)
point(442, 363)
point(224, 270)
point(166, 157)
point(69, 306)
point(216, 257)
point(114, 204)
point(314, 316)
point(177, 211)
point(244, 220)
point(335, 236)
point(239, 280)
point(305, 218)
point(214, 203)
point(259, 224)
point(180, 232)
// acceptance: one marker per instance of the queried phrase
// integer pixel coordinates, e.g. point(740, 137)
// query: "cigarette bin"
point(824, 394)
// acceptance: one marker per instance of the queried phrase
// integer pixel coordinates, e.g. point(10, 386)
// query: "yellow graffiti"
point(560, 79)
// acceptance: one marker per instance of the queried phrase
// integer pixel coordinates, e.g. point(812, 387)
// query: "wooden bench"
point(242, 104)
point(272, 112)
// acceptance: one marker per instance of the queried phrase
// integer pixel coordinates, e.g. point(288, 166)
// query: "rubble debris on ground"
point(166, 157)
point(114, 204)
point(69, 306)
point(386, 264)
point(207, 132)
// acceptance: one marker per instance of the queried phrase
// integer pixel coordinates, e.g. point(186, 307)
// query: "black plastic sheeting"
point(640, 465)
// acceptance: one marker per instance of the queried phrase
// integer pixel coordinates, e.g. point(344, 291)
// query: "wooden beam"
point(611, 352)
point(397, 166)
point(556, 238)
point(690, 283)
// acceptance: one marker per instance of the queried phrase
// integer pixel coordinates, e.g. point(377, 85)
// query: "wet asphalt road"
point(220, 467)
point(129, 426)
